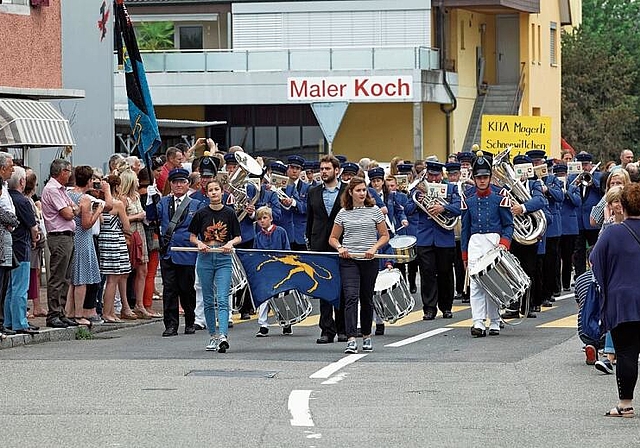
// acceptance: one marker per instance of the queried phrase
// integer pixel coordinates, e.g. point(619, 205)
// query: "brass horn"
point(239, 180)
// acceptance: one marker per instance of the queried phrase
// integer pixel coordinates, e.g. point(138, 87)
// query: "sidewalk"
point(68, 334)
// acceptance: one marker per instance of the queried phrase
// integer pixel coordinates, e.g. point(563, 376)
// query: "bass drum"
point(291, 307)
point(501, 276)
point(392, 299)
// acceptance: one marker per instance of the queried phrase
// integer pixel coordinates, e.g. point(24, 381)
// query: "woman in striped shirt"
point(361, 227)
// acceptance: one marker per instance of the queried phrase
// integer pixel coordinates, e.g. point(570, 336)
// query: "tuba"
point(445, 219)
point(238, 182)
point(529, 227)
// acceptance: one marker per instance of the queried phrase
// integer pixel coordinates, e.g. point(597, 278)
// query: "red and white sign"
point(353, 88)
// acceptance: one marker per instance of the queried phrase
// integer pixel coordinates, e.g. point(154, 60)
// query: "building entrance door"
point(507, 49)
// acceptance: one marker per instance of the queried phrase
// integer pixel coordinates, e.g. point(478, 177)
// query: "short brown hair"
point(328, 158)
point(631, 199)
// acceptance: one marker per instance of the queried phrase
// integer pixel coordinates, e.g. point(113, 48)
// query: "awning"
point(121, 115)
point(32, 123)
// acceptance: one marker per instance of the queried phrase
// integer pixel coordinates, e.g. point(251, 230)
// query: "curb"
point(65, 334)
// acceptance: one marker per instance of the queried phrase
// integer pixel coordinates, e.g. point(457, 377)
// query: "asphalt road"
point(527, 387)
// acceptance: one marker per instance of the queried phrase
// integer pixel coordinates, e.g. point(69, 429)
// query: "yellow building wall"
point(542, 93)
point(378, 131)
point(433, 136)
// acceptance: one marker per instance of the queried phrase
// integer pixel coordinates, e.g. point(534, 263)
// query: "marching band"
point(517, 221)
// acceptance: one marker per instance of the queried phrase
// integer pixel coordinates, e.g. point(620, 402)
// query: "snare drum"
point(404, 245)
point(291, 307)
point(501, 276)
point(392, 299)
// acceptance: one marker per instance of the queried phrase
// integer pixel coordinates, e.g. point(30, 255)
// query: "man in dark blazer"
point(323, 204)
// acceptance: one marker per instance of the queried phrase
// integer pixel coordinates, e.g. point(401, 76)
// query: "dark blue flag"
point(141, 114)
point(273, 272)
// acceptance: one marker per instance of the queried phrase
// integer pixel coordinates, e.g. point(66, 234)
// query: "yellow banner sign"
point(521, 133)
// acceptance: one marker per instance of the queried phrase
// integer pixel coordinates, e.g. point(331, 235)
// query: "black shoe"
point(324, 340)
point(494, 332)
point(547, 304)
point(342, 338)
point(245, 316)
point(69, 322)
point(458, 296)
point(379, 329)
point(27, 331)
point(287, 329)
point(532, 315)
point(413, 289)
point(535, 309)
point(429, 315)
point(34, 327)
point(501, 324)
point(171, 331)
point(511, 314)
point(7, 331)
point(447, 315)
point(56, 322)
point(466, 299)
point(478, 332)
point(263, 332)
point(556, 294)
point(190, 329)
point(198, 327)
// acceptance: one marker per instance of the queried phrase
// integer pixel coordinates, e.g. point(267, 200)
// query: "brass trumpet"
point(445, 219)
point(585, 179)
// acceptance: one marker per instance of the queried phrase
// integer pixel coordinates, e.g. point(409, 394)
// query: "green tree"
point(155, 35)
point(601, 79)
point(598, 100)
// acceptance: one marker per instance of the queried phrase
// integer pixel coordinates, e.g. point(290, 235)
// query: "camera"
point(97, 185)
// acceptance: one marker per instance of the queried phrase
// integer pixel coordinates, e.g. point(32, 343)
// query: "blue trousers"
point(15, 304)
point(214, 272)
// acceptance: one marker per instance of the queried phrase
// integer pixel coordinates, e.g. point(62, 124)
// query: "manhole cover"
point(234, 373)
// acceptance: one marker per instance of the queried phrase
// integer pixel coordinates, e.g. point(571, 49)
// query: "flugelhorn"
point(446, 219)
point(585, 179)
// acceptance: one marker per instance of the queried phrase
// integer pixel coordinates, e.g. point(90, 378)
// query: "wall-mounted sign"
point(350, 88)
point(522, 134)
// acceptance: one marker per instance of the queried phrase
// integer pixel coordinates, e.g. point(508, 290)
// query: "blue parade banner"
point(272, 272)
point(142, 117)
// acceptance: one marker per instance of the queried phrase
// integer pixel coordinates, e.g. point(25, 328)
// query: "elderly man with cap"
point(435, 245)
point(175, 212)
point(527, 254)
point(487, 223)
point(453, 177)
point(294, 210)
point(569, 222)
point(590, 195)
point(547, 263)
point(349, 170)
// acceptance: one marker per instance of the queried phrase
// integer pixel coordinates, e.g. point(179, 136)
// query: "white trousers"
point(481, 305)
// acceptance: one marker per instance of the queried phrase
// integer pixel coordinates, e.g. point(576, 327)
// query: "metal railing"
point(515, 108)
point(291, 59)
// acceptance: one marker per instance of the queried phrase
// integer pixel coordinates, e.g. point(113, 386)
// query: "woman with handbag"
point(138, 254)
point(615, 262)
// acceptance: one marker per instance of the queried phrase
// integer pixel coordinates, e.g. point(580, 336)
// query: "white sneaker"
point(212, 346)
point(352, 347)
point(223, 344)
point(367, 345)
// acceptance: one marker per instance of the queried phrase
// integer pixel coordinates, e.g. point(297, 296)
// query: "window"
point(533, 43)
point(553, 55)
point(15, 2)
point(20, 7)
point(462, 34)
point(190, 37)
point(539, 45)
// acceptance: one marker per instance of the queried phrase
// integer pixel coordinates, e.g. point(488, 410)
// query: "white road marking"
point(299, 408)
point(335, 379)
point(419, 337)
point(566, 296)
point(332, 368)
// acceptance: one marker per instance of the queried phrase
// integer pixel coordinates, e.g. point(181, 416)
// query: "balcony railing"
point(292, 59)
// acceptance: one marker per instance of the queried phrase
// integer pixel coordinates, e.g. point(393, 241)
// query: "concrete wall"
point(87, 64)
point(30, 48)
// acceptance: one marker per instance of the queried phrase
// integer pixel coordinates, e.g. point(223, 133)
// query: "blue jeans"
point(608, 345)
point(15, 304)
point(214, 272)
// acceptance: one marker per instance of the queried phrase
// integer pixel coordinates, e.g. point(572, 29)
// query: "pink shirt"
point(55, 198)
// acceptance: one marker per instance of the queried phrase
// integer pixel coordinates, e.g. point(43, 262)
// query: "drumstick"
point(353, 254)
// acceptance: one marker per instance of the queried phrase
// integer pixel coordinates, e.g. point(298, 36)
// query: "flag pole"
point(353, 254)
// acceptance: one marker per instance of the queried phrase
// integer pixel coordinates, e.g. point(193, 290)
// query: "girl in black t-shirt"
point(215, 226)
